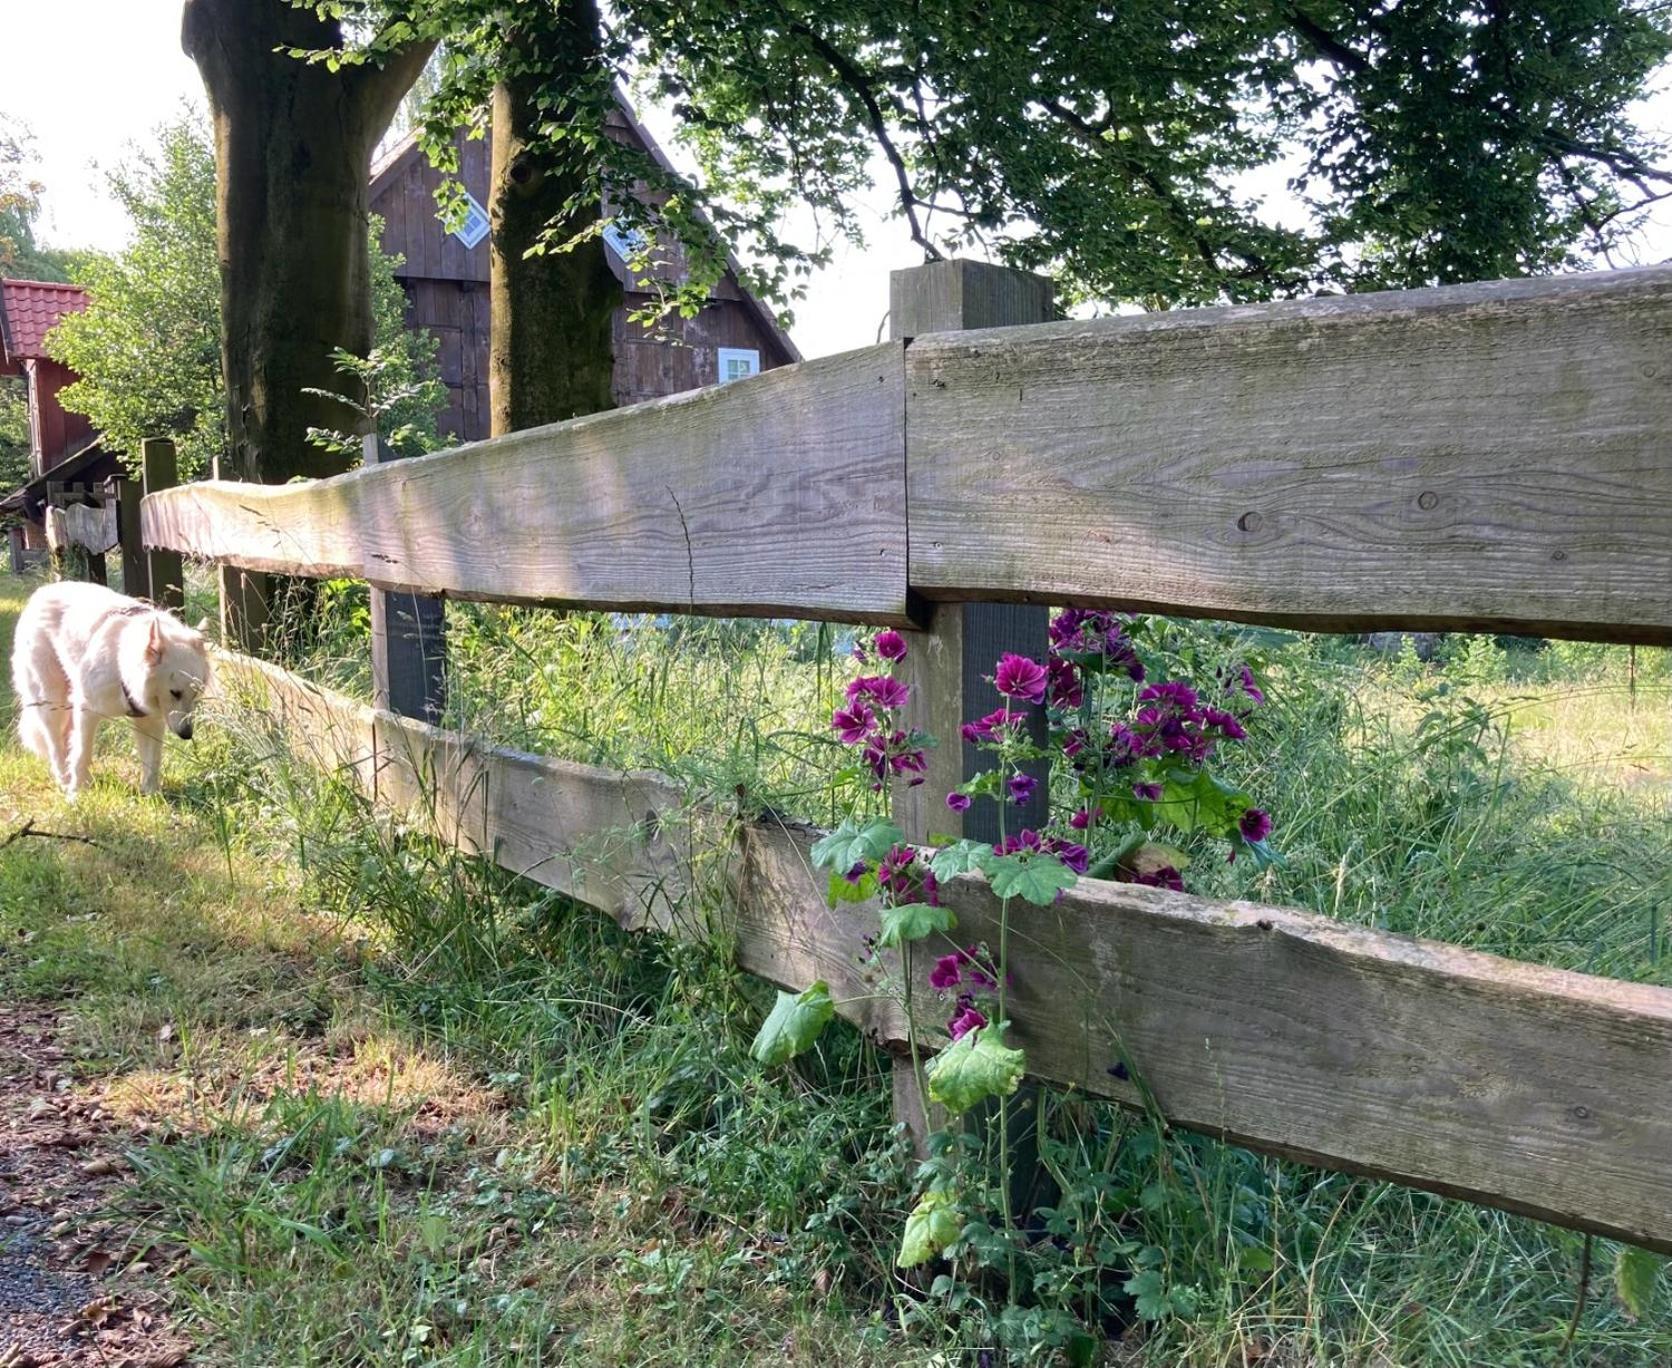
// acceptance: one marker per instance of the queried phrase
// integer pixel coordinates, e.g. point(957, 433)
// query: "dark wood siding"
point(447, 292)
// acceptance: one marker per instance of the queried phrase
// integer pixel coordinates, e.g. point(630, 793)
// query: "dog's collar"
point(134, 710)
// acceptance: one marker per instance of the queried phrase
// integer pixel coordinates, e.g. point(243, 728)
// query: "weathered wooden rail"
point(1490, 457)
point(1495, 456)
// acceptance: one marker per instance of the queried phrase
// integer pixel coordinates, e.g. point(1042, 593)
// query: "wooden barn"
point(446, 280)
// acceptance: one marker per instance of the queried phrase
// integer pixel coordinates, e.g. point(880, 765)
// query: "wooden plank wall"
point(1535, 1090)
point(1487, 457)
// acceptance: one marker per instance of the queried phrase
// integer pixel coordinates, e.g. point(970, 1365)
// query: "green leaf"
point(852, 844)
point(1636, 1271)
point(1194, 800)
point(958, 859)
point(841, 891)
point(977, 1066)
point(912, 922)
point(1038, 878)
point(1149, 1293)
point(930, 1229)
point(795, 1023)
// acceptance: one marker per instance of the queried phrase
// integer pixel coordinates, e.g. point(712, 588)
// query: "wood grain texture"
point(89, 526)
point(1488, 457)
point(1535, 1090)
point(779, 495)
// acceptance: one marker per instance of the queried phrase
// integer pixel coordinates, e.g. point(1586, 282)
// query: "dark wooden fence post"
point(409, 641)
point(165, 579)
point(136, 573)
point(949, 665)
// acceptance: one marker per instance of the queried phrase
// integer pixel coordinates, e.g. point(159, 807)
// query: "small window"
point(738, 362)
point(624, 245)
point(475, 225)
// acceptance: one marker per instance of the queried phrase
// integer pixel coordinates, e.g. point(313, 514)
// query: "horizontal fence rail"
point(1534, 1090)
point(1483, 457)
point(780, 497)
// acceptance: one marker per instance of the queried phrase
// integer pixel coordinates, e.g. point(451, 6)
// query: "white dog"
point(82, 654)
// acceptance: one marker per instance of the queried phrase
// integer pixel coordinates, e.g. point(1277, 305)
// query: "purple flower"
point(1245, 681)
point(855, 874)
point(1255, 824)
point(1063, 686)
point(946, 973)
point(1021, 787)
point(1071, 853)
point(1165, 877)
point(1228, 725)
point(891, 645)
point(1150, 793)
point(884, 690)
point(966, 1021)
point(1081, 819)
point(853, 724)
point(1020, 678)
point(958, 802)
point(990, 727)
point(893, 873)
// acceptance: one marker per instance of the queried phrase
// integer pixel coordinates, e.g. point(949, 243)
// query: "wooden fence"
point(1495, 457)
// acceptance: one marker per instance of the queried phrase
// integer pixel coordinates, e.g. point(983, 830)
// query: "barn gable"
point(446, 278)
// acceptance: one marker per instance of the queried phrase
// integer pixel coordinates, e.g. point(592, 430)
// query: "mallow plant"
point(1132, 767)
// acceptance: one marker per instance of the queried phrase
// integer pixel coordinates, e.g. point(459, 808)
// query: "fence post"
point(949, 663)
point(136, 576)
point(409, 640)
point(165, 579)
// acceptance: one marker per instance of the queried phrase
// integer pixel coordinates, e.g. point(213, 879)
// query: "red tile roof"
point(28, 311)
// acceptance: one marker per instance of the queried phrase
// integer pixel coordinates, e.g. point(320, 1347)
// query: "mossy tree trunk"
point(293, 145)
point(551, 348)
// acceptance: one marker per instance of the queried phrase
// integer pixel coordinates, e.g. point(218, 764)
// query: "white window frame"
point(624, 244)
point(476, 223)
point(746, 354)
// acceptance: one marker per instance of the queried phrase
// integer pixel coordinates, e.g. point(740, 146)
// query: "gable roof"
point(29, 309)
point(400, 154)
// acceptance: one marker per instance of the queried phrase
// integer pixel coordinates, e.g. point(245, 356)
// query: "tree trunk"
point(293, 145)
point(551, 337)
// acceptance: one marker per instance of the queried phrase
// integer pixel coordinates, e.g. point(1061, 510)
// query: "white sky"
point(129, 74)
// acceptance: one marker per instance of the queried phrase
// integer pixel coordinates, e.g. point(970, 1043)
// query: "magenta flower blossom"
point(853, 724)
point(958, 802)
point(966, 1021)
point(1075, 742)
point(946, 973)
point(1020, 678)
point(1063, 686)
point(1079, 631)
point(884, 690)
point(1150, 793)
point(1081, 819)
point(1165, 877)
point(857, 873)
point(991, 727)
point(1255, 824)
point(891, 645)
point(1245, 682)
point(1021, 787)
point(1071, 853)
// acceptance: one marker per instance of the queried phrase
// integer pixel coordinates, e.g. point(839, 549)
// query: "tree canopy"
point(1111, 147)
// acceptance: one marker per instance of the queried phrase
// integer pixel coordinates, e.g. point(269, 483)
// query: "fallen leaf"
point(100, 1168)
point(40, 1110)
point(97, 1261)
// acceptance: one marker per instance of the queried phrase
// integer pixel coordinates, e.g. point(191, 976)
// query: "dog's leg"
point(84, 726)
point(148, 741)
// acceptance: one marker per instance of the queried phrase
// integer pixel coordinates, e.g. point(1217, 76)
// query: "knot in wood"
point(1428, 499)
point(1249, 522)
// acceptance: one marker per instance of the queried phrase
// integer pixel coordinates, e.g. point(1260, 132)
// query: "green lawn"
point(404, 1109)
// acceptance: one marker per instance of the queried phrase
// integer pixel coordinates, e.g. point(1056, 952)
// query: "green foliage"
point(14, 431)
point(976, 1066)
point(148, 347)
point(1035, 877)
point(913, 922)
point(1636, 1276)
point(1432, 143)
point(931, 1229)
point(855, 843)
point(794, 1024)
point(20, 201)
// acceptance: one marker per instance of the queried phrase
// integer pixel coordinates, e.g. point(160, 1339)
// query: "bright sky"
point(129, 75)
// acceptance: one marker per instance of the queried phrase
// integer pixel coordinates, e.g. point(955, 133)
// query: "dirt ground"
point(79, 1282)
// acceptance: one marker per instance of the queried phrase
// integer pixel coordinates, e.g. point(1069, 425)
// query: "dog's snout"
point(184, 730)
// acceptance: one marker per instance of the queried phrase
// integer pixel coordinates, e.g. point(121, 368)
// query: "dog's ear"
point(154, 643)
